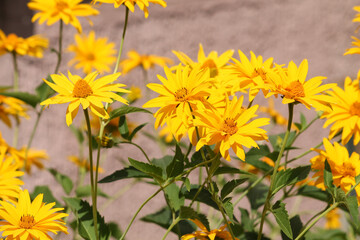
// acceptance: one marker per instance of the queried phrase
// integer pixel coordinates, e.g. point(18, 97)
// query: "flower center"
point(355, 108)
point(259, 72)
point(180, 95)
point(295, 89)
point(210, 64)
point(349, 170)
point(82, 89)
point(27, 221)
point(90, 56)
point(60, 5)
point(229, 126)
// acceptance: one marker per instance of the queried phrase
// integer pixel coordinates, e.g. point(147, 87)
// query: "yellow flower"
point(253, 73)
point(12, 43)
point(36, 45)
point(91, 53)
point(166, 133)
point(130, 4)
point(213, 62)
point(292, 84)
point(231, 128)
point(34, 157)
point(30, 220)
point(344, 114)
point(318, 165)
point(355, 49)
point(9, 181)
point(14, 107)
point(83, 163)
point(344, 168)
point(88, 92)
point(333, 219)
point(179, 92)
point(145, 61)
point(65, 10)
point(204, 234)
point(135, 94)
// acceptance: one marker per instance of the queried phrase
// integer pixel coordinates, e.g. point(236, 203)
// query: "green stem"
point(93, 185)
point(316, 220)
point(122, 40)
point(59, 52)
point(176, 221)
point(15, 88)
point(304, 154)
point(140, 148)
point(276, 167)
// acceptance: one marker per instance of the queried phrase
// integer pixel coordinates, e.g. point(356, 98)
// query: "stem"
point(15, 88)
point(276, 167)
point(59, 52)
point(93, 187)
point(171, 227)
point(122, 40)
point(316, 220)
point(142, 150)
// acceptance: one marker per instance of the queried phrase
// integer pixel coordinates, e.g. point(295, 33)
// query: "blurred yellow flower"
point(36, 45)
point(231, 128)
point(145, 61)
point(88, 92)
point(333, 219)
point(344, 114)
point(92, 53)
point(356, 47)
point(292, 85)
point(28, 219)
point(83, 163)
point(13, 107)
point(130, 4)
point(65, 10)
point(9, 173)
point(12, 43)
point(204, 233)
point(135, 94)
point(34, 157)
point(166, 133)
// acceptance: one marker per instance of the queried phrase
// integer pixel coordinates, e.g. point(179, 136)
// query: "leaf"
point(276, 140)
point(328, 177)
point(230, 170)
point(187, 184)
point(254, 155)
point(28, 98)
point(85, 191)
point(173, 195)
point(257, 195)
point(246, 221)
point(188, 213)
point(129, 172)
point(78, 133)
point(48, 196)
point(63, 180)
point(115, 230)
point(176, 167)
point(290, 176)
point(296, 227)
point(314, 192)
point(83, 212)
point(352, 206)
point(230, 186)
point(43, 90)
point(137, 129)
point(229, 209)
point(302, 121)
point(326, 234)
point(204, 196)
point(123, 128)
point(123, 110)
point(282, 218)
point(154, 171)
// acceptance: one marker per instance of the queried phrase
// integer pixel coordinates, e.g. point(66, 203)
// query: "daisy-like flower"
point(252, 74)
point(12, 43)
point(231, 128)
point(292, 85)
point(83, 163)
point(88, 92)
point(130, 4)
point(145, 61)
point(179, 90)
point(356, 47)
point(30, 220)
point(36, 45)
point(204, 233)
point(34, 157)
point(318, 165)
point(92, 53)
point(213, 61)
point(344, 168)
point(135, 94)
point(333, 219)
point(9, 181)
point(344, 114)
point(64, 10)
point(13, 107)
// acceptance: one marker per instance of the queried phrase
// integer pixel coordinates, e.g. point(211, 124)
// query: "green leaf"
point(43, 90)
point(257, 195)
point(187, 184)
point(163, 218)
point(123, 110)
point(314, 192)
point(230, 170)
point(276, 141)
point(188, 213)
point(246, 221)
point(115, 231)
point(123, 128)
point(352, 206)
point(328, 177)
point(290, 176)
point(254, 155)
point(282, 218)
point(154, 171)
point(176, 167)
point(48, 196)
point(326, 234)
point(302, 121)
point(85, 191)
point(296, 227)
point(173, 195)
point(214, 166)
point(230, 186)
point(63, 180)
point(229, 209)
point(28, 98)
point(204, 196)
point(5, 88)
point(129, 172)
point(78, 133)
point(83, 212)
point(137, 129)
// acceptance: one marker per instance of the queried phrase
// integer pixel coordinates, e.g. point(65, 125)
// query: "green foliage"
point(48, 197)
point(43, 90)
point(326, 234)
point(296, 227)
point(328, 178)
point(115, 231)
point(129, 172)
point(230, 186)
point(254, 155)
point(85, 191)
point(282, 218)
point(154, 171)
point(314, 192)
point(276, 141)
point(204, 196)
point(78, 133)
point(172, 193)
point(63, 180)
point(176, 167)
point(257, 195)
point(123, 110)
point(28, 98)
point(290, 176)
point(352, 205)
